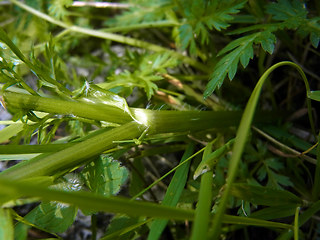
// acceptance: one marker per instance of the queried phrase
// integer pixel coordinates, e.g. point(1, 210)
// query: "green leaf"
point(275, 212)
point(285, 10)
point(94, 202)
point(246, 55)
point(210, 159)
point(148, 70)
point(52, 216)
point(58, 8)
point(118, 223)
point(314, 95)
point(136, 181)
point(267, 41)
point(173, 193)
point(274, 163)
point(239, 49)
point(254, 222)
point(105, 176)
point(36, 67)
point(202, 16)
point(263, 195)
point(6, 226)
point(229, 63)
point(10, 131)
point(315, 36)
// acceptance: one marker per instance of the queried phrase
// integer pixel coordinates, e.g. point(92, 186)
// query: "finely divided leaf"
point(294, 16)
point(201, 17)
point(315, 38)
point(284, 10)
point(267, 41)
point(147, 71)
point(241, 50)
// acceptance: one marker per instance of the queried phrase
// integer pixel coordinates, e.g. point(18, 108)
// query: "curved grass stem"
point(242, 133)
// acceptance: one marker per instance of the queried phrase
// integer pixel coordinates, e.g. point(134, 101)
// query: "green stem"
point(166, 175)
point(164, 23)
point(316, 182)
point(114, 37)
point(202, 214)
point(94, 202)
point(157, 121)
point(94, 226)
point(242, 133)
point(94, 111)
point(296, 224)
point(23, 149)
point(73, 156)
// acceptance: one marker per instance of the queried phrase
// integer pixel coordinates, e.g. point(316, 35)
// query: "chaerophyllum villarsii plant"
point(117, 122)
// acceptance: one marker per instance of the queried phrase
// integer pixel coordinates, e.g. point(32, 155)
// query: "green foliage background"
point(106, 100)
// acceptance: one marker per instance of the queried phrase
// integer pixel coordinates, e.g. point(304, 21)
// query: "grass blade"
point(93, 202)
point(6, 226)
point(10, 131)
point(70, 157)
point(202, 214)
point(241, 138)
point(173, 193)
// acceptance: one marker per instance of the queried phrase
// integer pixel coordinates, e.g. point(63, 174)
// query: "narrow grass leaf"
point(93, 202)
point(314, 95)
point(10, 131)
point(6, 226)
point(35, 69)
point(254, 222)
point(28, 149)
point(202, 212)
point(316, 185)
point(124, 231)
point(275, 212)
point(173, 193)
point(10, 157)
point(240, 141)
point(296, 224)
point(304, 217)
point(120, 227)
point(263, 195)
point(49, 164)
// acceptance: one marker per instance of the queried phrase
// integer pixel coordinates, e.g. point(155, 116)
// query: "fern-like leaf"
point(58, 8)
point(288, 14)
point(142, 12)
point(201, 17)
point(241, 50)
point(285, 10)
point(294, 16)
point(147, 72)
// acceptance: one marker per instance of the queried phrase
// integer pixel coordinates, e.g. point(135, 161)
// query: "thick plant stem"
point(157, 121)
point(94, 111)
point(73, 156)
